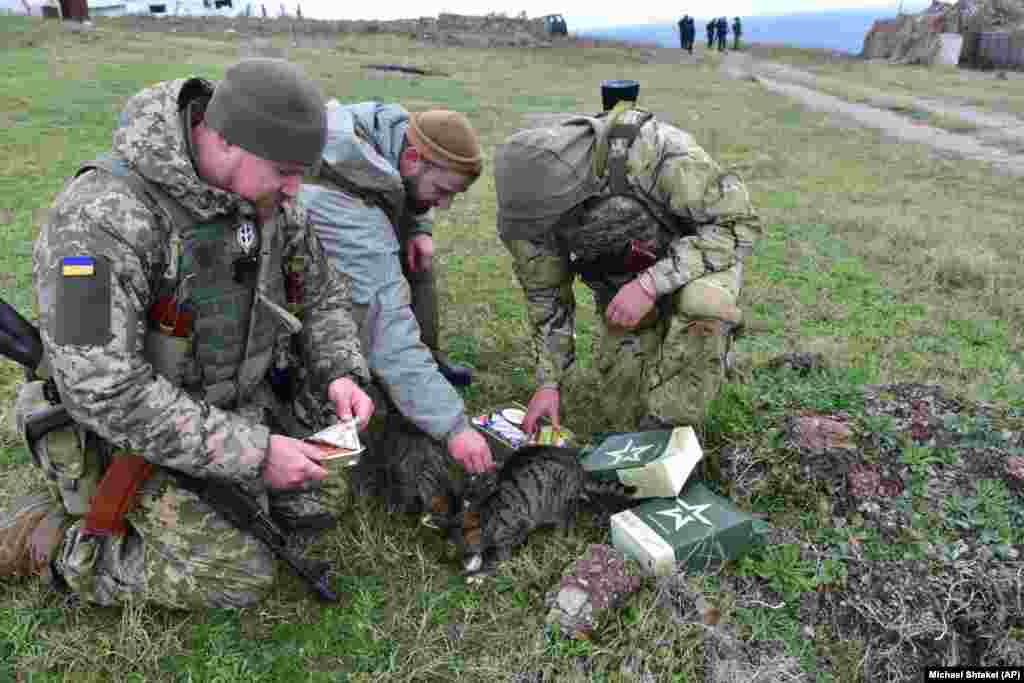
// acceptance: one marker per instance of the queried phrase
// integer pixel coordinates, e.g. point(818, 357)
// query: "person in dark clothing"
point(712, 25)
point(691, 33)
point(723, 32)
point(682, 31)
point(737, 31)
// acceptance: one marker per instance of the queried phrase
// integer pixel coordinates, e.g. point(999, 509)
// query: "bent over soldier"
point(171, 275)
point(656, 229)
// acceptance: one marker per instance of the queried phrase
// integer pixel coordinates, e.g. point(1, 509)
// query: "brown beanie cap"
point(447, 139)
point(269, 108)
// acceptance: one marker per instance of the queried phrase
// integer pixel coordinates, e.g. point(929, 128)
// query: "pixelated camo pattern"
point(179, 553)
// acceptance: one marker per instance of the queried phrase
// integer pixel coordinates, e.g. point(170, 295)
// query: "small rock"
point(890, 488)
point(818, 433)
point(1015, 472)
point(571, 600)
point(863, 480)
point(594, 584)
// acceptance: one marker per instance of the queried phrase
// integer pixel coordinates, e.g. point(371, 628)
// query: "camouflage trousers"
point(671, 368)
point(178, 552)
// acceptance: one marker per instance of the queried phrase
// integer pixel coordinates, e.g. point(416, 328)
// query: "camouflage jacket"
point(104, 379)
point(360, 241)
point(672, 170)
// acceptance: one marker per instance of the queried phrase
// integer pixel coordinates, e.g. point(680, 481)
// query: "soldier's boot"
point(424, 306)
point(31, 532)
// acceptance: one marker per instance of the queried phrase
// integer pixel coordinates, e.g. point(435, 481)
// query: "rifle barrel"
point(19, 339)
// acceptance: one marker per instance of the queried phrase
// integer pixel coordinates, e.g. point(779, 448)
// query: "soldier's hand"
point(545, 403)
point(630, 305)
point(350, 401)
point(471, 450)
point(419, 253)
point(290, 463)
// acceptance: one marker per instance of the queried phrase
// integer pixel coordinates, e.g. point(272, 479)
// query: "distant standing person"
point(682, 32)
point(691, 33)
point(737, 31)
point(723, 33)
point(711, 26)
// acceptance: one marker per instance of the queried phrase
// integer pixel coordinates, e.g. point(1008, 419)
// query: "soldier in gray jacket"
point(382, 170)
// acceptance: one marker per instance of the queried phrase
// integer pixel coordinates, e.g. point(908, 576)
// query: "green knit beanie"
point(270, 108)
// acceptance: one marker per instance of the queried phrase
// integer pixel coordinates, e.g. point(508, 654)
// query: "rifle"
point(20, 341)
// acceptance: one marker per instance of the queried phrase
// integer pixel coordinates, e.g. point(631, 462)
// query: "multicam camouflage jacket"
point(669, 171)
point(94, 335)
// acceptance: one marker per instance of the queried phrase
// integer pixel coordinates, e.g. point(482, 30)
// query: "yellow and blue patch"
point(78, 266)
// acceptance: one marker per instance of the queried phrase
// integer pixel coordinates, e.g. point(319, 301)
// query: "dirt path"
point(999, 140)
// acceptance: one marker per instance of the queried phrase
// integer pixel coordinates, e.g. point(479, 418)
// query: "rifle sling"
point(116, 494)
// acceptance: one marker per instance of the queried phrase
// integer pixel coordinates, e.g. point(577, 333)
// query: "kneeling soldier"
point(170, 276)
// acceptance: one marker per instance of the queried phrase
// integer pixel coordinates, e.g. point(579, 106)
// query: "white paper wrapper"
point(340, 440)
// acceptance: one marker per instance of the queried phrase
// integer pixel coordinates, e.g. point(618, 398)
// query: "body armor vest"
point(232, 342)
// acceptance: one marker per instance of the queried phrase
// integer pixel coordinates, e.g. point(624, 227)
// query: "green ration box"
point(697, 529)
point(657, 463)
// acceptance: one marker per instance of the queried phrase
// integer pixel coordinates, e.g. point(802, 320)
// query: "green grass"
point(890, 262)
point(855, 75)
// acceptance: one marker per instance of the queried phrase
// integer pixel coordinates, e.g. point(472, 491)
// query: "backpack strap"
point(153, 196)
point(619, 138)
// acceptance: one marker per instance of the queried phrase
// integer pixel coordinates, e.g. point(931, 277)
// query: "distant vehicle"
point(555, 25)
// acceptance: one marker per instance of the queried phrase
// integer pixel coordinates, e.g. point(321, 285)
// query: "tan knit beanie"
point(447, 139)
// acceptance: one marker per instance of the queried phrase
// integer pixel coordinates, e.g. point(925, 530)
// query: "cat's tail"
point(608, 494)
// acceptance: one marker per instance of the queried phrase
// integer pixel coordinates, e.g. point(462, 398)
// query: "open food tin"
point(339, 445)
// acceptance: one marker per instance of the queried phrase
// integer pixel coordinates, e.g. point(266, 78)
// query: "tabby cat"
point(539, 486)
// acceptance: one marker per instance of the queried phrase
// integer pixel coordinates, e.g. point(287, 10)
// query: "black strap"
point(617, 154)
point(245, 513)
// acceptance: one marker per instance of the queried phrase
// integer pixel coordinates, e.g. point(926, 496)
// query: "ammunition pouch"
point(169, 355)
point(72, 458)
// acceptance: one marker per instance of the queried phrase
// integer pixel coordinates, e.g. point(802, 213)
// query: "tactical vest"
point(602, 227)
point(228, 354)
point(233, 339)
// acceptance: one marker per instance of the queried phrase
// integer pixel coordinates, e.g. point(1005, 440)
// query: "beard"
point(267, 201)
point(412, 204)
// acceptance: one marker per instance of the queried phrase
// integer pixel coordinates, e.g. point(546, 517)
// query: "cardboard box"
point(697, 530)
point(657, 463)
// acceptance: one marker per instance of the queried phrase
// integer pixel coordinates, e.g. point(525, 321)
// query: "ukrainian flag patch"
point(78, 266)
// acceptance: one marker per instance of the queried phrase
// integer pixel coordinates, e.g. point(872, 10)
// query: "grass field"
point(894, 264)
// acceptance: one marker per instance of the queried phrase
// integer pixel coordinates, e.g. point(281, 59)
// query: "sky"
point(580, 14)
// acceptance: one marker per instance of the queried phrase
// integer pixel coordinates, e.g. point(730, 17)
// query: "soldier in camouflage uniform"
point(382, 171)
point(657, 230)
point(192, 220)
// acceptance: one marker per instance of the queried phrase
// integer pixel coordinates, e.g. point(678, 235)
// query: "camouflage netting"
point(916, 38)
